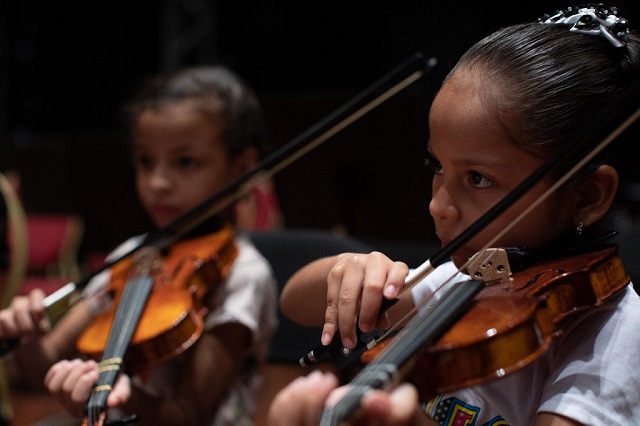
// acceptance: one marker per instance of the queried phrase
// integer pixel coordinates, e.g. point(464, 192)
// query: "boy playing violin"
point(508, 105)
point(193, 132)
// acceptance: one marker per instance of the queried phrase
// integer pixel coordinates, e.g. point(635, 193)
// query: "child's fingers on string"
point(121, 391)
point(80, 386)
point(71, 381)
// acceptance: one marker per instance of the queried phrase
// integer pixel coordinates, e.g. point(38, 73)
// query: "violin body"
point(512, 323)
point(478, 332)
point(171, 320)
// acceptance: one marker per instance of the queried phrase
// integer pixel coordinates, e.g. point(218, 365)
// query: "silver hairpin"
point(593, 19)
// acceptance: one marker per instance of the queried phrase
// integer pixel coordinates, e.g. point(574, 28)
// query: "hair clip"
point(593, 19)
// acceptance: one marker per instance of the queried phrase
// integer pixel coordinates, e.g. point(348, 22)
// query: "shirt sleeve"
point(427, 289)
point(593, 376)
point(247, 297)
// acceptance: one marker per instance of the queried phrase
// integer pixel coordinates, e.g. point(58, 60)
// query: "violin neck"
point(132, 303)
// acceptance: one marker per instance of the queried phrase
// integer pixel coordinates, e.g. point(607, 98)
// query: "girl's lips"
point(164, 209)
point(443, 241)
point(164, 212)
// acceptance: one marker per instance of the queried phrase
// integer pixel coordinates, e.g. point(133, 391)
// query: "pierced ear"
point(596, 195)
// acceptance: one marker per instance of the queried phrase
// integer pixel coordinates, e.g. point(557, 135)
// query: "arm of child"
point(336, 290)
point(42, 345)
point(306, 285)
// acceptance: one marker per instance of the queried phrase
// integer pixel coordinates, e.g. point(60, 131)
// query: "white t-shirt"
point(589, 374)
point(247, 296)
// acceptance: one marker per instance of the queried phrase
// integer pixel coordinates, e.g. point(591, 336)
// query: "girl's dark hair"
point(554, 82)
point(217, 91)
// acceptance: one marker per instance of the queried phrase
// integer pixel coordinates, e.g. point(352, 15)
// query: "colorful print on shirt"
point(454, 412)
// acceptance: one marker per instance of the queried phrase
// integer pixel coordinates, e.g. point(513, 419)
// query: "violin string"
point(425, 269)
point(428, 302)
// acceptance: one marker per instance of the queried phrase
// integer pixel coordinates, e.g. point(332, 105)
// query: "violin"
point(171, 320)
point(157, 309)
point(480, 331)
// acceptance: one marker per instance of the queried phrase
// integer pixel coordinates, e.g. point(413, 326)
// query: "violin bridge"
point(490, 265)
point(147, 261)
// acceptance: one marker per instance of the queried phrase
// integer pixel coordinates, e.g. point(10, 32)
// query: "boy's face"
point(180, 160)
point(476, 165)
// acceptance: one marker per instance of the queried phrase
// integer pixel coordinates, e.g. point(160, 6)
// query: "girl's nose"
point(159, 179)
point(442, 206)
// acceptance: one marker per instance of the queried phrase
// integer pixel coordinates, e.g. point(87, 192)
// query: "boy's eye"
point(479, 180)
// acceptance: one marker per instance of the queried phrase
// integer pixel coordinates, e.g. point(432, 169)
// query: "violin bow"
point(399, 78)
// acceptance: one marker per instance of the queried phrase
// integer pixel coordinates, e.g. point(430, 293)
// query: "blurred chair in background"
point(54, 242)
point(288, 250)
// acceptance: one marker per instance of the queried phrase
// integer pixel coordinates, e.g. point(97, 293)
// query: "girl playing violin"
point(193, 132)
point(510, 102)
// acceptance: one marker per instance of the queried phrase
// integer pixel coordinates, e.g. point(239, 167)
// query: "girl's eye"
point(186, 162)
point(478, 180)
point(433, 164)
point(142, 162)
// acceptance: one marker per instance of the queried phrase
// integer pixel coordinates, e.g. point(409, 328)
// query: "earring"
point(579, 229)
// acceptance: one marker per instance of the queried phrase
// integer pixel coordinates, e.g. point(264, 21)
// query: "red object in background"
point(54, 240)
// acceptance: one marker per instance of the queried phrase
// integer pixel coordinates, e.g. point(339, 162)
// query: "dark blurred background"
point(65, 70)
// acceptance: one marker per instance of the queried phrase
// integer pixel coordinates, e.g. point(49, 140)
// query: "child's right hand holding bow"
point(25, 316)
point(354, 285)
